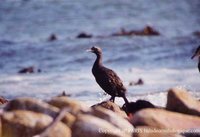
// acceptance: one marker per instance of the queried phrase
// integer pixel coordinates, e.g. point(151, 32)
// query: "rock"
point(26, 124)
point(69, 119)
point(147, 31)
point(63, 101)
point(163, 119)
point(84, 35)
point(139, 82)
point(32, 105)
point(52, 37)
point(27, 70)
point(122, 32)
point(144, 131)
point(38, 106)
point(90, 126)
point(111, 106)
point(3, 100)
point(74, 107)
point(30, 69)
point(179, 100)
point(197, 33)
point(113, 118)
point(133, 107)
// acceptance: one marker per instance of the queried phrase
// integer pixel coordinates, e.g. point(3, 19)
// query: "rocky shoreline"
point(64, 117)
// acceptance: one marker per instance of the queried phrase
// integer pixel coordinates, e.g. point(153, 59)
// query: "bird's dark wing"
point(113, 80)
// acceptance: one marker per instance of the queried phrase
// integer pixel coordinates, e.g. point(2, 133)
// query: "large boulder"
point(179, 100)
point(90, 126)
point(116, 120)
point(111, 106)
point(31, 104)
point(63, 101)
point(22, 123)
point(163, 119)
point(39, 106)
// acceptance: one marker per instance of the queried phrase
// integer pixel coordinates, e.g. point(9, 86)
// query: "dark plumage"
point(107, 78)
point(133, 107)
point(197, 54)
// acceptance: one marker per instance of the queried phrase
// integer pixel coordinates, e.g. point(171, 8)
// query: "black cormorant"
point(197, 54)
point(133, 107)
point(107, 78)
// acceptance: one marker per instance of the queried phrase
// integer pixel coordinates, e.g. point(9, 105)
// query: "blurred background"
point(43, 43)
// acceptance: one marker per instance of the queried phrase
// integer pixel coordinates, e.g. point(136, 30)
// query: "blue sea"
point(162, 62)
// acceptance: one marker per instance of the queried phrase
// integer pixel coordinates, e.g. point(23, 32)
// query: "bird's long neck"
point(98, 61)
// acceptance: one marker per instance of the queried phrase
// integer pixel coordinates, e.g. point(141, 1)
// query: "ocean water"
point(161, 61)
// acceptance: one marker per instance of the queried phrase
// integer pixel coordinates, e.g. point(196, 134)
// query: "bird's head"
point(95, 50)
point(197, 53)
